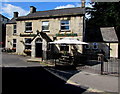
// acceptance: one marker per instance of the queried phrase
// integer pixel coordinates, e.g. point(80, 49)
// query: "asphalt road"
point(21, 77)
point(10, 60)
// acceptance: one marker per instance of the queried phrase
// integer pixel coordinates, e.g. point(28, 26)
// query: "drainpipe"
point(84, 23)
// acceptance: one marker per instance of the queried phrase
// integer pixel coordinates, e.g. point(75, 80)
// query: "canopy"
point(68, 41)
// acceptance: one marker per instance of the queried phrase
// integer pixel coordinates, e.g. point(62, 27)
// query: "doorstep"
point(34, 60)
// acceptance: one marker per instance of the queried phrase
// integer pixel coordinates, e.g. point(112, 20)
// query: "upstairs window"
point(65, 25)
point(45, 26)
point(28, 27)
point(27, 43)
point(14, 29)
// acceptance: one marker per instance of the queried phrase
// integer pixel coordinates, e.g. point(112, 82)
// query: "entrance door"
point(38, 47)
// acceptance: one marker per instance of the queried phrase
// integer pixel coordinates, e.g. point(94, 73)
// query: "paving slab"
point(96, 81)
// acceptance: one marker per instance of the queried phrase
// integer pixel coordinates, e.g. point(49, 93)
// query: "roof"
point(54, 13)
point(109, 34)
point(3, 16)
point(12, 21)
point(43, 35)
point(103, 34)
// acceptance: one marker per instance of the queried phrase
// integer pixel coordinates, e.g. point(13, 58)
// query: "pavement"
point(95, 82)
point(91, 81)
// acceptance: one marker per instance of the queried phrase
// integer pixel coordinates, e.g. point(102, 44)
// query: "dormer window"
point(28, 27)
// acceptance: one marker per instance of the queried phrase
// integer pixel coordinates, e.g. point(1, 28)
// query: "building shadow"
point(66, 72)
point(35, 80)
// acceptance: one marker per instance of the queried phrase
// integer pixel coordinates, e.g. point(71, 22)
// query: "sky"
point(7, 7)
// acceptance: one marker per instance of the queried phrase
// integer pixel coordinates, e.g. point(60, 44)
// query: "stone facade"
point(75, 30)
point(3, 21)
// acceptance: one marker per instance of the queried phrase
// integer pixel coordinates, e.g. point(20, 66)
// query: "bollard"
point(101, 60)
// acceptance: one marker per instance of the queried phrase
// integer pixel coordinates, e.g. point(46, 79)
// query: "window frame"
point(27, 43)
point(14, 29)
point(46, 25)
point(14, 43)
point(28, 31)
point(87, 46)
point(65, 47)
point(95, 44)
point(62, 30)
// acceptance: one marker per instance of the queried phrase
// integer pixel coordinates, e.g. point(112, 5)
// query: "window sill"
point(27, 50)
point(28, 31)
point(15, 34)
point(64, 30)
point(45, 31)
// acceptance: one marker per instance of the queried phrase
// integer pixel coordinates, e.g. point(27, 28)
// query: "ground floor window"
point(14, 45)
point(64, 48)
point(28, 43)
point(95, 45)
point(27, 46)
point(87, 46)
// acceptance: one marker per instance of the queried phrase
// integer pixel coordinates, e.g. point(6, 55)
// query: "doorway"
point(38, 47)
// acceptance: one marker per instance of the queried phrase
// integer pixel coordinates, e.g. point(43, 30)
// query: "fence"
point(111, 67)
point(90, 63)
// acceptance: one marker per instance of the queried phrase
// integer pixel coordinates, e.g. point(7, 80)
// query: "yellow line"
point(88, 90)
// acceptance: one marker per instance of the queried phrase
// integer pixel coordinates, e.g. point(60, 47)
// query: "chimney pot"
point(83, 3)
point(32, 9)
point(16, 14)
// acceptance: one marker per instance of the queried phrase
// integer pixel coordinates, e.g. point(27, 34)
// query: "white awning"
point(68, 41)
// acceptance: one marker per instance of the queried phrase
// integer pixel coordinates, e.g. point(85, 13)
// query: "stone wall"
point(76, 26)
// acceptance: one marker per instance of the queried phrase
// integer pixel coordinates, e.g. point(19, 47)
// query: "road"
point(10, 60)
point(19, 76)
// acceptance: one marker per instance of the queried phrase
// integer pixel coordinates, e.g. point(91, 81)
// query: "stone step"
point(34, 60)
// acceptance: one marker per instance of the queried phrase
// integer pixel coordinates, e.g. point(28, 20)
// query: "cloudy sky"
point(7, 8)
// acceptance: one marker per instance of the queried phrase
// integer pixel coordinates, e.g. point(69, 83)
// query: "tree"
point(104, 14)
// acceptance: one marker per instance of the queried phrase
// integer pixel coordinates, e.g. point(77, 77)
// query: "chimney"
point(16, 14)
point(83, 3)
point(32, 9)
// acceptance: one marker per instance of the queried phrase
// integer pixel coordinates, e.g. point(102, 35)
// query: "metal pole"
point(102, 64)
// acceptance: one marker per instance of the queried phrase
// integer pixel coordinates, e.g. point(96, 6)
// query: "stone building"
point(103, 40)
point(3, 21)
point(32, 33)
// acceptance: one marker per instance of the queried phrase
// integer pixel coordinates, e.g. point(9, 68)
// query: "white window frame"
point(64, 25)
point(45, 25)
point(28, 31)
point(27, 43)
